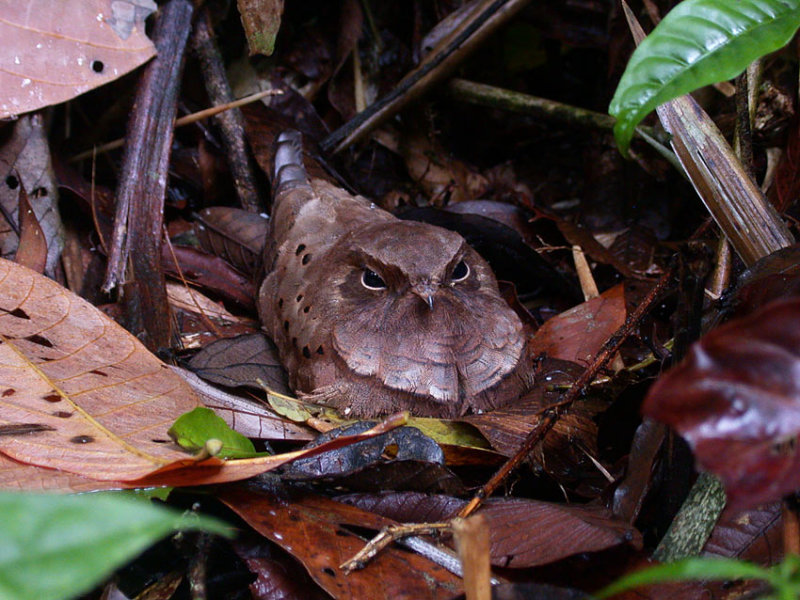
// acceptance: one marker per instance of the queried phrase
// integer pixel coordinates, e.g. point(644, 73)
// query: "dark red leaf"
point(310, 528)
point(524, 533)
point(736, 400)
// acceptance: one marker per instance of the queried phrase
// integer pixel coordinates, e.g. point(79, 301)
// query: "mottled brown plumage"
point(372, 314)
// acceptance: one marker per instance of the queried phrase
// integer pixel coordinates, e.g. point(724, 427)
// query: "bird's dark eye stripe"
point(460, 271)
point(371, 280)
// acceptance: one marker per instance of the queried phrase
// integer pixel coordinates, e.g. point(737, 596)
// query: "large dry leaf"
point(105, 400)
point(736, 399)
point(524, 533)
point(311, 529)
point(81, 395)
point(54, 51)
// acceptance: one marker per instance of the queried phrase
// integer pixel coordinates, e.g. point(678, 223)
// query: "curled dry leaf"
point(52, 52)
point(736, 400)
point(25, 164)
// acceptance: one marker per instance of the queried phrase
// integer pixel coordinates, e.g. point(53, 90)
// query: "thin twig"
point(551, 415)
point(386, 536)
point(488, 16)
point(184, 120)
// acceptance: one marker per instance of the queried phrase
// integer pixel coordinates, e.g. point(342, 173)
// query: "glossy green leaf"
point(56, 547)
point(195, 429)
point(688, 568)
point(698, 43)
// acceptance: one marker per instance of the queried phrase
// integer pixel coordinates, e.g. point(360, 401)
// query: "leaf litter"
point(593, 498)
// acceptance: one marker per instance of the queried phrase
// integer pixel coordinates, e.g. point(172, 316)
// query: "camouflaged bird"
point(372, 314)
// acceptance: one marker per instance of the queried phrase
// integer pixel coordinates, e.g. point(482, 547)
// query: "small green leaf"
point(450, 432)
point(688, 568)
point(192, 430)
point(288, 407)
point(698, 43)
point(56, 547)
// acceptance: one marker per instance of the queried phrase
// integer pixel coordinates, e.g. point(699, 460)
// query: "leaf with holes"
point(80, 395)
point(98, 404)
point(54, 51)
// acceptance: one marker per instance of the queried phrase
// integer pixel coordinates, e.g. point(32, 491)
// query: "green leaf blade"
point(687, 569)
point(698, 43)
point(55, 547)
point(193, 429)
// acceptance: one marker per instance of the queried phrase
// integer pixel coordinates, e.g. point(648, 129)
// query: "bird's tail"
point(288, 170)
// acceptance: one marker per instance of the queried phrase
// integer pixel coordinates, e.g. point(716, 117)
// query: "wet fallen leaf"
point(311, 529)
point(735, 400)
point(403, 459)
point(523, 533)
point(54, 52)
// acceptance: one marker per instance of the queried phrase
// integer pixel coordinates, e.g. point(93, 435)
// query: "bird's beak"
point(425, 290)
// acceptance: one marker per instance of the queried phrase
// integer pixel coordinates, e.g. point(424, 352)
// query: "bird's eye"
point(460, 272)
point(372, 281)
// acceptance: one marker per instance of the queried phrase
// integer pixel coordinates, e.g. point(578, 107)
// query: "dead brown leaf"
point(310, 528)
point(54, 51)
point(32, 250)
point(66, 365)
point(261, 20)
point(579, 333)
point(25, 163)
